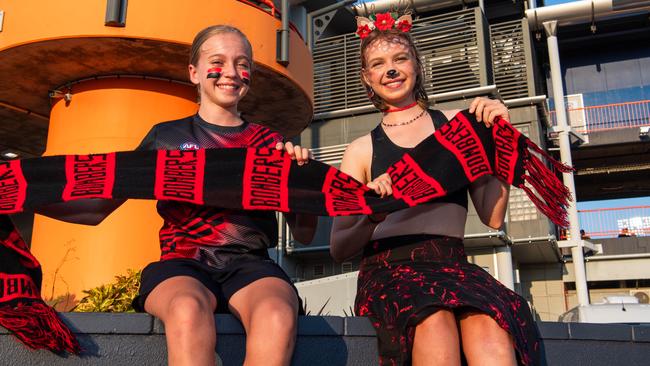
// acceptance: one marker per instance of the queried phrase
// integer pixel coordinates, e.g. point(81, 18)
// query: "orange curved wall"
point(166, 20)
point(104, 115)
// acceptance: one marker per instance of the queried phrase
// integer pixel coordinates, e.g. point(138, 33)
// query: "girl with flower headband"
point(425, 300)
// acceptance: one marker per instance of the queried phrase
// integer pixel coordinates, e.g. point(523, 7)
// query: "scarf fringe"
point(557, 165)
point(39, 327)
point(551, 196)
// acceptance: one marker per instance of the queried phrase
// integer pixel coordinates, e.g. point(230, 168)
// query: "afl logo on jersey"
point(189, 146)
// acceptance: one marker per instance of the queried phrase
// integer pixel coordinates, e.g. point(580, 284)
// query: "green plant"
point(321, 311)
point(114, 297)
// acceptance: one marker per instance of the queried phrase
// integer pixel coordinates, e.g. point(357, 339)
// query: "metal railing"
point(614, 222)
point(608, 117)
point(268, 7)
point(448, 45)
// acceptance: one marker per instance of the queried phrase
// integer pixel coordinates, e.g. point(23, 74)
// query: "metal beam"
point(311, 15)
point(586, 11)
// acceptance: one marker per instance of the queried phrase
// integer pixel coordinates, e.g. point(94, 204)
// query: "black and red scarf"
point(458, 153)
point(22, 310)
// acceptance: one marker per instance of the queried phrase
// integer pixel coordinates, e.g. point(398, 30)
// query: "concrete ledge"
point(138, 339)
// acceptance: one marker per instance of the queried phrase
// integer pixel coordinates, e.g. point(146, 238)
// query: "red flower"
point(404, 26)
point(384, 21)
point(364, 31)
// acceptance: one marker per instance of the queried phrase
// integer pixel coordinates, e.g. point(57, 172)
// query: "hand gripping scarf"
point(458, 153)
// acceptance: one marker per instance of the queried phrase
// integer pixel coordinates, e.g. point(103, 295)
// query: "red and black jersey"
point(211, 235)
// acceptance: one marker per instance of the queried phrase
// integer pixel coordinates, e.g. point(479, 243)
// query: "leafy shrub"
point(114, 297)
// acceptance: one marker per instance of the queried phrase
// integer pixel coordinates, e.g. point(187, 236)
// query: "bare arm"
point(351, 233)
point(490, 198)
point(85, 212)
point(303, 227)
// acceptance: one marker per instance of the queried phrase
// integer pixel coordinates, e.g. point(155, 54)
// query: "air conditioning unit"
point(575, 107)
point(642, 295)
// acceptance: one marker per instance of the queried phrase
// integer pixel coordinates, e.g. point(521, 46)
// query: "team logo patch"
point(189, 146)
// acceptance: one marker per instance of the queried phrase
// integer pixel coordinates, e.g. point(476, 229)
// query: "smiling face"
point(390, 68)
point(231, 54)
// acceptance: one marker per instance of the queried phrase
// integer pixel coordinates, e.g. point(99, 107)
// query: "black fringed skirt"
point(403, 280)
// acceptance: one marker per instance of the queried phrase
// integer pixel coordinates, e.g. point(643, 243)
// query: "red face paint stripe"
point(17, 286)
point(245, 77)
point(412, 184)
point(214, 73)
point(13, 187)
point(89, 176)
point(180, 175)
point(344, 195)
point(459, 138)
point(266, 180)
point(506, 140)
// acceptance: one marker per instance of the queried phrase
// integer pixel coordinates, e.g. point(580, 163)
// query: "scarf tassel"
point(558, 166)
point(551, 196)
point(39, 327)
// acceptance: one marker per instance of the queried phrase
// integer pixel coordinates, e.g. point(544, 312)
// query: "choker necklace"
point(402, 108)
point(404, 123)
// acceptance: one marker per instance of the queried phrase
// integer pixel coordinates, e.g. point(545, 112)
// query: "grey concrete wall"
point(630, 245)
point(138, 339)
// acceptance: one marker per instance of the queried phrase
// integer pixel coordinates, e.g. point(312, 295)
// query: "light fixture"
point(55, 94)
point(9, 155)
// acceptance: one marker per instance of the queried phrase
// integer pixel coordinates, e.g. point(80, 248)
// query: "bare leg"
point(268, 309)
point(436, 340)
point(485, 343)
point(186, 307)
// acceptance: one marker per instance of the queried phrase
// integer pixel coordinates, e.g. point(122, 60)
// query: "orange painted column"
point(104, 115)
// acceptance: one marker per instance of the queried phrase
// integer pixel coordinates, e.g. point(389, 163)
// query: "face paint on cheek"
point(214, 73)
point(245, 77)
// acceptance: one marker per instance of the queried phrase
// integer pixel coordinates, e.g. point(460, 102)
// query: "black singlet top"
point(385, 153)
point(212, 235)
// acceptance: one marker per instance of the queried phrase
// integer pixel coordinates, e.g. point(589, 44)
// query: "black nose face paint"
point(214, 73)
point(245, 77)
point(392, 74)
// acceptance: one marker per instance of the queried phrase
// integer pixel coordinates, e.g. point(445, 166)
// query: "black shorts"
point(223, 283)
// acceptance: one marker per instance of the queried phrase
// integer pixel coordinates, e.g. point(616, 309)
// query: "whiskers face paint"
point(245, 77)
point(214, 73)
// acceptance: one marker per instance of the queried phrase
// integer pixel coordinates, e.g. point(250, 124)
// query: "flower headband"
point(383, 22)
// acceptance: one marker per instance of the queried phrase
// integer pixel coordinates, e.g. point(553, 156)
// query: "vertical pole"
point(283, 54)
point(310, 32)
point(505, 269)
point(281, 240)
point(565, 155)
